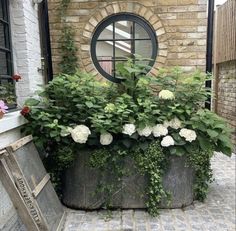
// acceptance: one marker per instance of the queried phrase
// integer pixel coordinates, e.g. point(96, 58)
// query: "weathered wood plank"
point(16, 197)
point(25, 190)
point(41, 185)
point(19, 143)
point(34, 174)
point(226, 32)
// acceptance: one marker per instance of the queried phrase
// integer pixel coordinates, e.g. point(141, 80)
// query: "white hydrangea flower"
point(167, 123)
point(166, 94)
point(106, 138)
point(159, 130)
point(80, 134)
point(129, 129)
point(188, 134)
point(167, 141)
point(175, 123)
point(147, 131)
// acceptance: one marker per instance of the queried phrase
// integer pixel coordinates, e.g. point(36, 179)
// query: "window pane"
point(107, 66)
point(2, 36)
point(140, 32)
point(123, 30)
point(104, 49)
point(143, 48)
point(123, 49)
point(7, 92)
point(1, 10)
point(107, 33)
point(3, 63)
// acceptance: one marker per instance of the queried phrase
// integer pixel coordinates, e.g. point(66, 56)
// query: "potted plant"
point(145, 142)
point(3, 108)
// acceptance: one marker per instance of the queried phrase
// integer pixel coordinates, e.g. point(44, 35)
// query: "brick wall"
point(226, 91)
point(180, 27)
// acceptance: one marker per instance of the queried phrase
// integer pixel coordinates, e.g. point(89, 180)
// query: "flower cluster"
point(167, 141)
point(129, 129)
point(25, 111)
point(159, 130)
point(147, 131)
point(81, 133)
point(16, 77)
point(106, 138)
point(166, 94)
point(174, 123)
point(3, 107)
point(188, 134)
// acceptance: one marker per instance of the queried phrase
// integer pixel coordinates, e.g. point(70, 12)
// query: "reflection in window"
point(7, 91)
point(120, 37)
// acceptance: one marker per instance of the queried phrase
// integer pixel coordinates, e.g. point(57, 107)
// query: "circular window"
point(120, 37)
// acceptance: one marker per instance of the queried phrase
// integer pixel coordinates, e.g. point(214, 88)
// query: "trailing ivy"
point(200, 161)
point(153, 162)
point(111, 164)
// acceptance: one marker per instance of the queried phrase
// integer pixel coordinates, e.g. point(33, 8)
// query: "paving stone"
point(217, 213)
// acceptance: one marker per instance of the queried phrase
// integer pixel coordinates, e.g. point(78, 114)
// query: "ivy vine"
point(152, 163)
point(68, 49)
point(200, 160)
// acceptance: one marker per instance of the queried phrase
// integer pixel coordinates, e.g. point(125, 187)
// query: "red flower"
point(25, 111)
point(16, 77)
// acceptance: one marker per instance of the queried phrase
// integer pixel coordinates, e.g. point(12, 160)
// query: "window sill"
point(11, 120)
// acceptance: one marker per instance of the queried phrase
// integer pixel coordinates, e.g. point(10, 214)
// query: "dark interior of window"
point(120, 37)
point(7, 89)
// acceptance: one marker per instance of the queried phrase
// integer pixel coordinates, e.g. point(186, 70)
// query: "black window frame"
point(136, 19)
point(7, 48)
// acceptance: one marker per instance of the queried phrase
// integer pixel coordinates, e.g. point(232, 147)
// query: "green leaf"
point(89, 104)
point(32, 102)
point(53, 133)
point(132, 70)
point(64, 132)
point(173, 150)
point(144, 146)
point(180, 151)
point(127, 143)
point(212, 133)
point(204, 142)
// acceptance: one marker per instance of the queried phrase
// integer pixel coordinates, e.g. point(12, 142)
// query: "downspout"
point(48, 41)
point(210, 22)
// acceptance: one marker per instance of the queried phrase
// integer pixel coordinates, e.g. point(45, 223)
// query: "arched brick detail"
point(123, 7)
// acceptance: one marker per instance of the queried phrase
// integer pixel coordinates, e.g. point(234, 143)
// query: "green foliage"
point(7, 93)
point(200, 160)
point(79, 99)
point(111, 163)
point(68, 49)
point(133, 78)
point(153, 162)
point(212, 131)
point(66, 101)
point(190, 93)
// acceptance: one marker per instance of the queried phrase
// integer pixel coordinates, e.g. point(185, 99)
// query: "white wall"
point(26, 47)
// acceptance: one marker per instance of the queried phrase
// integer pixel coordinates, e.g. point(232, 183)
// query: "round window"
point(119, 37)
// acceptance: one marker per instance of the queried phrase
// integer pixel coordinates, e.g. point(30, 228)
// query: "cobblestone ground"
point(216, 214)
